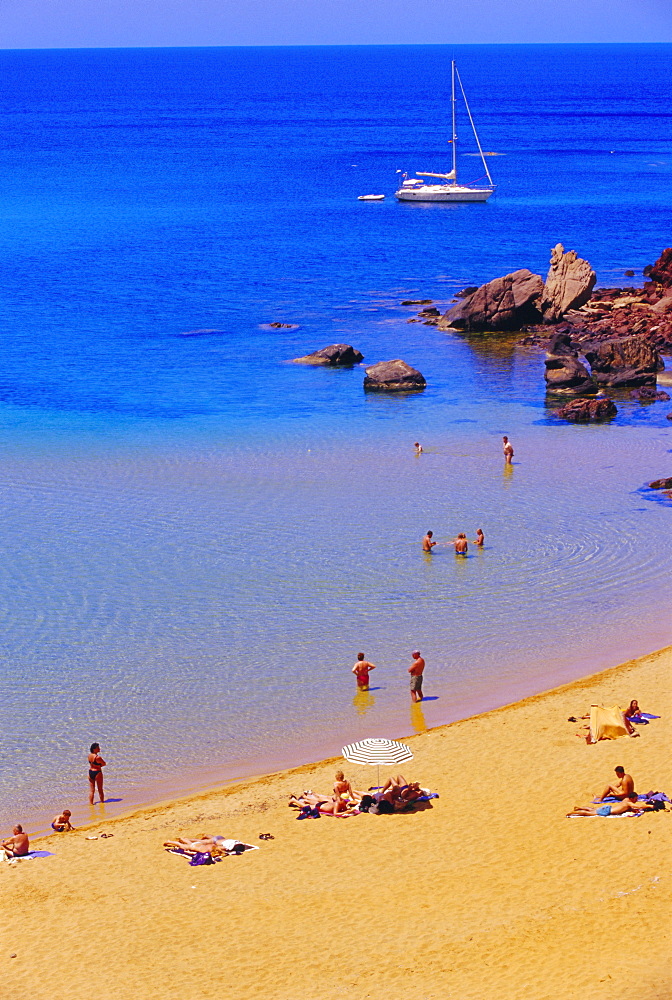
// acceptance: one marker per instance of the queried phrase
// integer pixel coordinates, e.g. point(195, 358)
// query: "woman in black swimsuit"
point(96, 765)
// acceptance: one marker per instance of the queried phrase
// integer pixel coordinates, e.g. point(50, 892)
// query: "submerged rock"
point(628, 361)
point(507, 303)
point(393, 376)
point(569, 284)
point(334, 354)
point(649, 394)
point(583, 411)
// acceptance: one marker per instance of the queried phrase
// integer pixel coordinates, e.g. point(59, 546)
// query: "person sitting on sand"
point(623, 789)
point(633, 711)
point(461, 544)
point(480, 538)
point(616, 808)
point(427, 543)
point(344, 789)
point(361, 669)
point(17, 845)
point(61, 823)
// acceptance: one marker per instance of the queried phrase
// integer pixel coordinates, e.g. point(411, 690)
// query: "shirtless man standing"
point(16, 846)
point(623, 789)
point(361, 670)
point(427, 543)
point(415, 670)
point(461, 544)
point(507, 448)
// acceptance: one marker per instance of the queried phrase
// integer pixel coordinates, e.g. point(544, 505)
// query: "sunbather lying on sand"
point(204, 844)
point(397, 789)
point(615, 808)
point(330, 805)
point(395, 796)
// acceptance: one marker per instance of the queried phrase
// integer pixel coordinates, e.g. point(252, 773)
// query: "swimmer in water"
point(480, 538)
point(427, 543)
point(461, 544)
point(418, 448)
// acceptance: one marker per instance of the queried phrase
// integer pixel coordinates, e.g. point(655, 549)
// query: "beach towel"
point(644, 719)
point(197, 858)
point(647, 797)
point(606, 723)
point(30, 856)
point(617, 816)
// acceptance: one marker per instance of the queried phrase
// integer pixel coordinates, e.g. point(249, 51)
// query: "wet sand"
point(491, 893)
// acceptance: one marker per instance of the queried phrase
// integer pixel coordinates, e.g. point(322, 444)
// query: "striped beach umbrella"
point(377, 751)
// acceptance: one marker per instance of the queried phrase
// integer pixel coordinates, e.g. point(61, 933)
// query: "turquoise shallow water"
point(198, 536)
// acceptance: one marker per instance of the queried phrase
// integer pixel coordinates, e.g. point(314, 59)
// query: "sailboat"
point(446, 187)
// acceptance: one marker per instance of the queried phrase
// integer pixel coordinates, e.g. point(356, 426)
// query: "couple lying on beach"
point(623, 799)
point(205, 848)
point(395, 795)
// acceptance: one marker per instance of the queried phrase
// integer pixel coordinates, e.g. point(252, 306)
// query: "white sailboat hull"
point(443, 192)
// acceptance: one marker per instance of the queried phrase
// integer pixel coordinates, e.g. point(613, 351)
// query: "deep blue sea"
point(197, 536)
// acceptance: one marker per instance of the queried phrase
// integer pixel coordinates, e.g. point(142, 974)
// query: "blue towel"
point(650, 797)
point(644, 719)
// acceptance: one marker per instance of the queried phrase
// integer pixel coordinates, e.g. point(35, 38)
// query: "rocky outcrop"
point(393, 376)
point(507, 303)
point(569, 284)
point(583, 411)
point(649, 394)
point(661, 271)
point(661, 484)
point(565, 374)
point(629, 361)
point(334, 354)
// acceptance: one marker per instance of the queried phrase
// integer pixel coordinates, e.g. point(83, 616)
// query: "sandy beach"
point(492, 892)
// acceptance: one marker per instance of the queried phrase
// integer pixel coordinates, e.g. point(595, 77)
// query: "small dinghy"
point(371, 197)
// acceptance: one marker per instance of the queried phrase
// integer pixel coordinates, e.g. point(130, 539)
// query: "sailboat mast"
point(452, 104)
point(473, 126)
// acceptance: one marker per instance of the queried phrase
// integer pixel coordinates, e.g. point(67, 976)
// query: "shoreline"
point(489, 887)
point(236, 783)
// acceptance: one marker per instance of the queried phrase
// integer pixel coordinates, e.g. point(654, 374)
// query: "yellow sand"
point(492, 893)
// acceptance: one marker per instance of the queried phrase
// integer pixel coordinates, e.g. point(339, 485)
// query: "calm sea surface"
point(197, 537)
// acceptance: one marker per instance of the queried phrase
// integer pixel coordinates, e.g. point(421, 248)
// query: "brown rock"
point(507, 303)
point(649, 394)
point(583, 411)
point(334, 354)
point(628, 361)
point(393, 376)
point(661, 271)
point(569, 284)
point(564, 372)
point(661, 484)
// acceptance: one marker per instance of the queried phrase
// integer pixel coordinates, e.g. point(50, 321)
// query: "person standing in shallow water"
point(416, 670)
point(418, 448)
point(507, 448)
point(96, 765)
point(461, 544)
point(427, 543)
point(361, 670)
point(480, 538)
